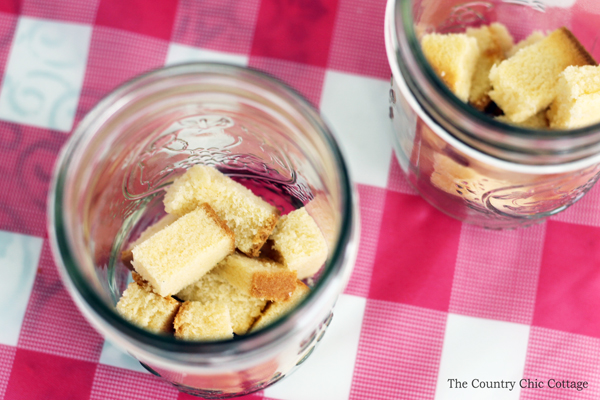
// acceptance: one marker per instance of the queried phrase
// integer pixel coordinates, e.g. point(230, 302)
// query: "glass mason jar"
point(109, 184)
point(465, 163)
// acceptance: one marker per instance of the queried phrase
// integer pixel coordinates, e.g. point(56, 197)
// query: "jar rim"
point(510, 143)
point(165, 346)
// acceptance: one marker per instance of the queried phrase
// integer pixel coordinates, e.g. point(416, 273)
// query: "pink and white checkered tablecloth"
point(430, 299)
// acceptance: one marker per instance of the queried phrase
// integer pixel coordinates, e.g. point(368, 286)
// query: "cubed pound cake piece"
point(525, 84)
point(258, 277)
point(298, 244)
point(493, 42)
point(148, 310)
point(249, 217)
point(181, 253)
point(198, 321)
point(577, 103)
point(453, 58)
point(534, 37)
point(166, 220)
point(321, 210)
point(213, 288)
point(538, 121)
point(277, 309)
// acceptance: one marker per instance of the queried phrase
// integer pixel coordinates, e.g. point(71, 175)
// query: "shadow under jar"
point(109, 185)
point(462, 161)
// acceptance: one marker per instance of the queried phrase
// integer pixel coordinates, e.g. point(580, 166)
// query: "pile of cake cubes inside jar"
point(221, 262)
point(546, 81)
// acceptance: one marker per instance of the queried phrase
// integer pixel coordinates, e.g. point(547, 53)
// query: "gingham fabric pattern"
point(431, 303)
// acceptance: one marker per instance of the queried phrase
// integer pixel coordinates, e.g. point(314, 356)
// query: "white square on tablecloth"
point(356, 107)
point(327, 373)
point(115, 357)
point(45, 73)
point(482, 349)
point(19, 257)
point(179, 53)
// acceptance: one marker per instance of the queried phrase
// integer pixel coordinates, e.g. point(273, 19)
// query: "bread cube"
point(577, 103)
point(493, 42)
point(166, 220)
point(525, 84)
point(249, 217)
point(148, 310)
point(198, 321)
point(277, 309)
point(258, 277)
point(181, 253)
point(453, 57)
point(299, 244)
point(538, 121)
point(213, 288)
point(534, 37)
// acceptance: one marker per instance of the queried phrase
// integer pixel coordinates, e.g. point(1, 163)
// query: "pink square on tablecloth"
point(52, 323)
point(83, 12)
point(8, 25)
point(397, 180)
point(224, 25)
point(306, 79)
point(116, 56)
point(151, 18)
point(112, 383)
point(49, 377)
point(398, 353)
point(357, 45)
point(496, 273)
point(10, 7)
point(416, 253)
point(569, 284)
point(7, 356)
point(371, 201)
point(560, 355)
point(294, 31)
point(27, 156)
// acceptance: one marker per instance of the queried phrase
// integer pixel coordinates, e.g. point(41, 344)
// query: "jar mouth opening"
point(63, 244)
point(441, 104)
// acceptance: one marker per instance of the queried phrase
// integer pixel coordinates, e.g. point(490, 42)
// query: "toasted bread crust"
point(276, 309)
point(263, 234)
point(586, 58)
point(276, 286)
point(213, 215)
point(127, 258)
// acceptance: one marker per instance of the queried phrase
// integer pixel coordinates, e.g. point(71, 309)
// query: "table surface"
point(433, 304)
